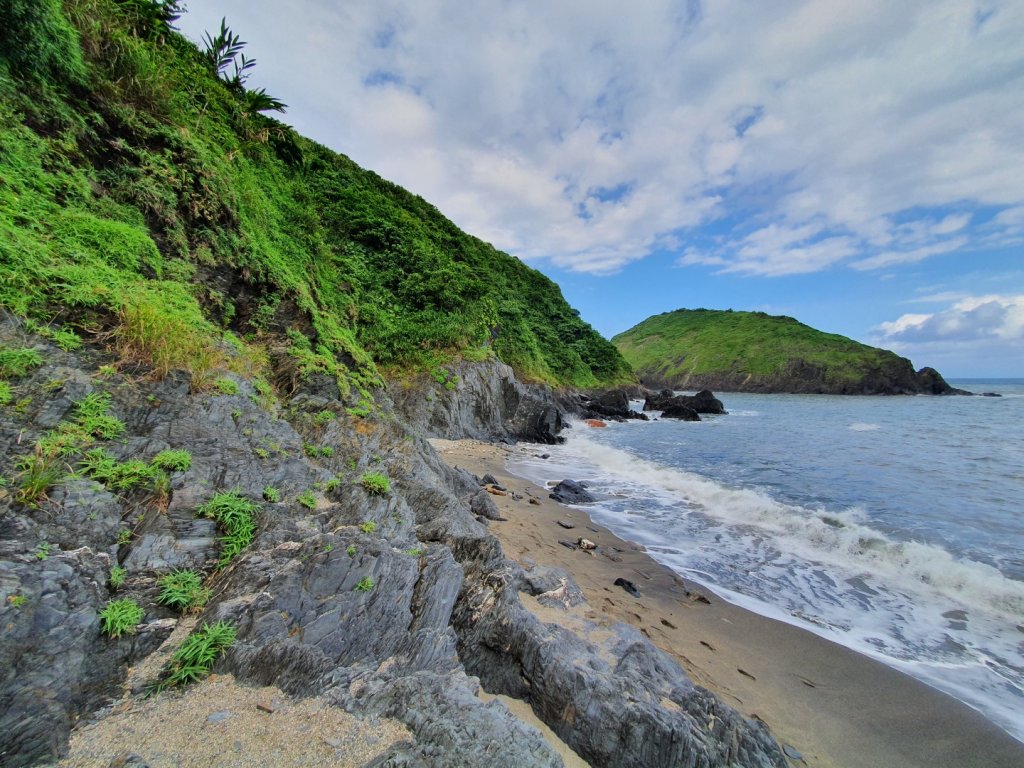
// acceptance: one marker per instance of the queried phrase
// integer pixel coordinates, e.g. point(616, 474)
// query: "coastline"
point(833, 706)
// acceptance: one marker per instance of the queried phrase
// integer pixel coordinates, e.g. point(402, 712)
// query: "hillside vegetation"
point(147, 197)
point(756, 352)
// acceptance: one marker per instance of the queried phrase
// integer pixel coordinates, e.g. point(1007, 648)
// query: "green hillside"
point(753, 351)
point(146, 197)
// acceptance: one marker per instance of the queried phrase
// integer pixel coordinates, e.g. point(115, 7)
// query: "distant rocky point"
point(732, 351)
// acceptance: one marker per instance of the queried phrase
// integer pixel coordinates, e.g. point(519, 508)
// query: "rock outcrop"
point(396, 603)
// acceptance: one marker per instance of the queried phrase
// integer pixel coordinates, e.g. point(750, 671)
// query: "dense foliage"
point(705, 346)
point(144, 192)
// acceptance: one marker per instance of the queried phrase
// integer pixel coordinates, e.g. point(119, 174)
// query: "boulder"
point(572, 492)
point(702, 402)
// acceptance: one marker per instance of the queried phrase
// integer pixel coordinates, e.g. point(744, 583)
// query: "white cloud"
point(861, 130)
point(991, 317)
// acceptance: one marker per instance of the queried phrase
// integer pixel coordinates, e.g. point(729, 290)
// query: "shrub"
point(375, 483)
point(183, 590)
point(195, 657)
point(172, 460)
point(16, 362)
point(234, 514)
point(120, 616)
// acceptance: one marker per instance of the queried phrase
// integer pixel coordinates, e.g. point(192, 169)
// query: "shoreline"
point(832, 705)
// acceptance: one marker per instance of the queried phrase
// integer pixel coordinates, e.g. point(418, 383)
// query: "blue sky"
point(857, 164)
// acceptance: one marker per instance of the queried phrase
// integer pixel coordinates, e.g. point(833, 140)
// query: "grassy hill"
point(756, 352)
point(146, 197)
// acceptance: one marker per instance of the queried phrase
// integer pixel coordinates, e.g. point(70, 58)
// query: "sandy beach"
point(828, 704)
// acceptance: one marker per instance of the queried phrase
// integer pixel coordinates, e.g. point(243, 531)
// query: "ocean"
point(891, 525)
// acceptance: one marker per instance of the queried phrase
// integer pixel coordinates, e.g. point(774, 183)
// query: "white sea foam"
point(830, 572)
point(862, 427)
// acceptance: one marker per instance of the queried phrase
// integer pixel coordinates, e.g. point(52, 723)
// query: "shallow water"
point(892, 525)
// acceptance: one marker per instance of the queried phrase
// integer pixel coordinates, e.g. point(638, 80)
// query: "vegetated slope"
point(756, 352)
point(144, 192)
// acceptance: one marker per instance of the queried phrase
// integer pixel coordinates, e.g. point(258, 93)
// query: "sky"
point(855, 164)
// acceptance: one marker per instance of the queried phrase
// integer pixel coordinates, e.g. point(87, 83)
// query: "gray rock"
point(572, 492)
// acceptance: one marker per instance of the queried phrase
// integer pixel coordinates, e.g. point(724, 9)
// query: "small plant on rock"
point(235, 515)
point(92, 415)
point(365, 584)
point(5, 393)
point(271, 494)
point(17, 601)
point(124, 536)
point(183, 590)
point(16, 362)
point(117, 576)
point(38, 473)
point(120, 616)
point(172, 460)
point(226, 386)
point(195, 657)
point(375, 483)
point(368, 527)
point(351, 550)
point(307, 499)
point(43, 551)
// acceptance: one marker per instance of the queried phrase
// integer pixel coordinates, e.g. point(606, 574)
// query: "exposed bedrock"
point(389, 604)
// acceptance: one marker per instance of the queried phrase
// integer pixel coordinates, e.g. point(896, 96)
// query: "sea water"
point(891, 525)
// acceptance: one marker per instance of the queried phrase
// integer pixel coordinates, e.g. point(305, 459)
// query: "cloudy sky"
point(857, 164)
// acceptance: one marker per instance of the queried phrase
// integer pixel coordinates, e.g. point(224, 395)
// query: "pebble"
point(565, 524)
point(217, 717)
point(792, 752)
point(627, 585)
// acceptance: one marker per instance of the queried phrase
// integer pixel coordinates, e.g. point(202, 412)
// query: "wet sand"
point(832, 705)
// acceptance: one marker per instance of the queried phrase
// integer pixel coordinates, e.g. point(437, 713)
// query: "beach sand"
point(833, 706)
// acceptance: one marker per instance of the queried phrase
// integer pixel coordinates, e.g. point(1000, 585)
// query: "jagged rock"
point(614, 714)
point(572, 492)
point(680, 412)
point(702, 402)
point(488, 404)
point(482, 504)
point(386, 619)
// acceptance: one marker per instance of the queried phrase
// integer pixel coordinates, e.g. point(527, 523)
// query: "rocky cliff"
point(754, 352)
point(387, 597)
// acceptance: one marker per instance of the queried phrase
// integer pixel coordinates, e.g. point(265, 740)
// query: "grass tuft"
point(375, 483)
point(195, 657)
point(16, 362)
point(172, 460)
point(120, 616)
point(183, 591)
point(235, 516)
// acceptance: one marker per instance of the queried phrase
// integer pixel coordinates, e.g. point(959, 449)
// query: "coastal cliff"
point(222, 350)
point(388, 597)
point(754, 352)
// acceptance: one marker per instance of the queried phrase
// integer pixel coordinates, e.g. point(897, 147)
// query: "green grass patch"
point(15, 362)
point(37, 473)
point(375, 483)
point(365, 584)
point(271, 494)
point(368, 526)
point(6, 395)
point(307, 499)
point(120, 616)
point(172, 460)
point(183, 590)
point(116, 577)
point(236, 517)
point(195, 657)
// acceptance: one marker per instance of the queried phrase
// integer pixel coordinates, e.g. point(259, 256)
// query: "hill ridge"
point(739, 351)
